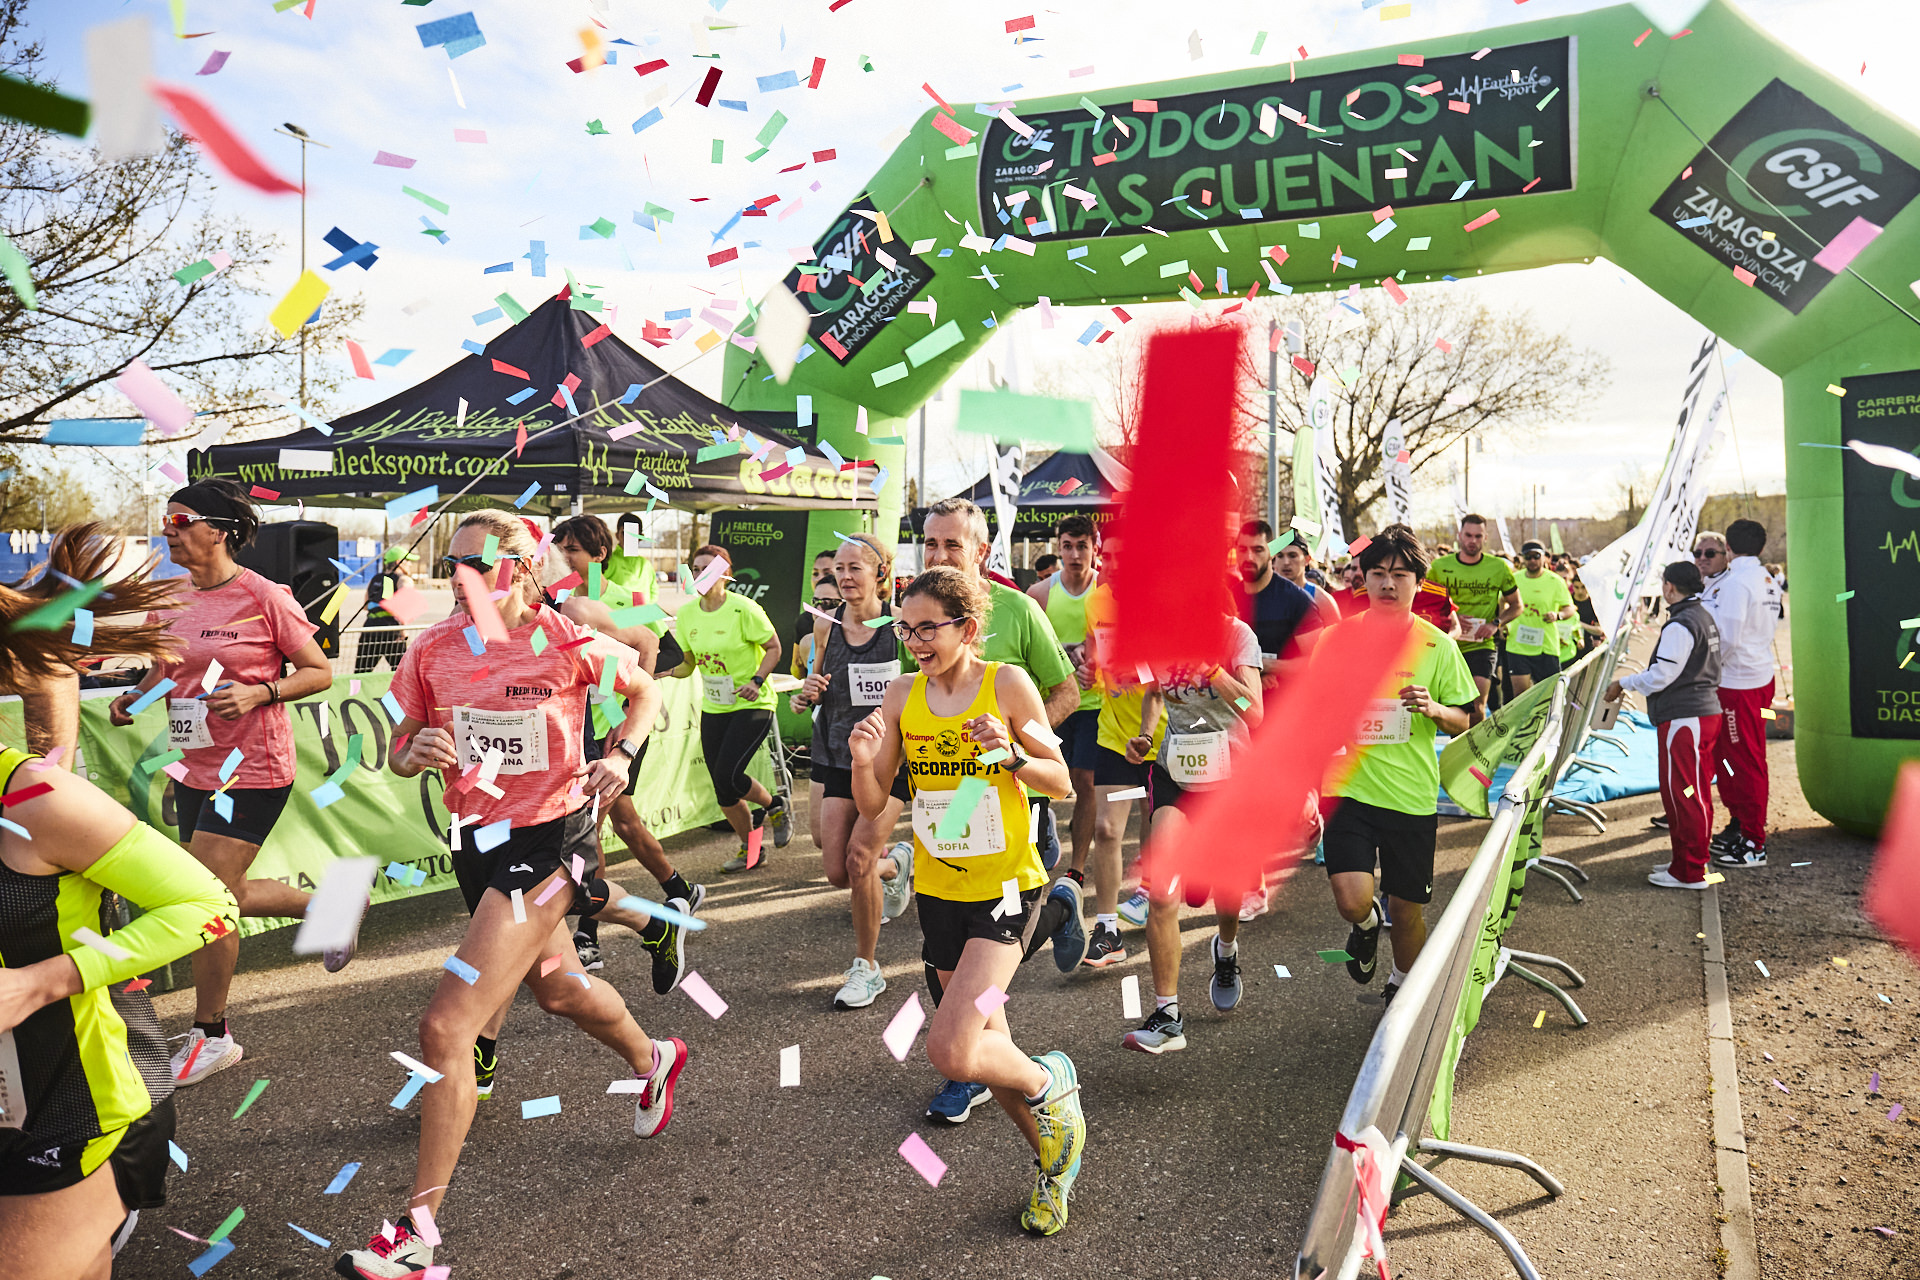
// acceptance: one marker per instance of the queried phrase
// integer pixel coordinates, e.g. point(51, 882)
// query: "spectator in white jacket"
point(1745, 604)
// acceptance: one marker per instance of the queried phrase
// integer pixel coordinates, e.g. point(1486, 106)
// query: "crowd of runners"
point(534, 703)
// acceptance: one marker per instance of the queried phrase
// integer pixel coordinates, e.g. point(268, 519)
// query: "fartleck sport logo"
point(1794, 176)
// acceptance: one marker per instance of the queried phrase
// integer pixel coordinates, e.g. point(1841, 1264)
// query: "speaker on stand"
point(299, 554)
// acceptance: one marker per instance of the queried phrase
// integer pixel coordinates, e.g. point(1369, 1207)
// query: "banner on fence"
point(400, 820)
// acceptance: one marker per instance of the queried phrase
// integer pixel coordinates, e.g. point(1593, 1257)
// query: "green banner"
point(400, 820)
point(1468, 762)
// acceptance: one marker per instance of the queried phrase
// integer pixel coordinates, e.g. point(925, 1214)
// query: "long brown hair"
point(83, 553)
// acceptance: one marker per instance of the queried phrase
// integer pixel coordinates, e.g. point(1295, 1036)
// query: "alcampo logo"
point(1816, 164)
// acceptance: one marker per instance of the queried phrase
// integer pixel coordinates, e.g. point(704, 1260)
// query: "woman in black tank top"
point(854, 663)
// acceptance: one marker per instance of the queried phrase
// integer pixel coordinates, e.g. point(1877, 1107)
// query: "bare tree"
point(1497, 371)
point(102, 244)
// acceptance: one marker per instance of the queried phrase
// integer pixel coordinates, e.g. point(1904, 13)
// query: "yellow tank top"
point(997, 846)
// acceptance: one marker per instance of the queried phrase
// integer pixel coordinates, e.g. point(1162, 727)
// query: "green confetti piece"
point(1242, 703)
point(1092, 106)
point(253, 1094)
point(713, 451)
point(996, 755)
point(771, 129)
point(1542, 104)
point(655, 211)
point(233, 1220)
point(438, 206)
point(1334, 957)
point(603, 227)
point(964, 150)
point(884, 620)
point(1133, 255)
point(1217, 241)
point(892, 373)
point(1005, 415)
point(538, 641)
point(1910, 622)
point(945, 338)
point(1259, 42)
point(57, 612)
point(595, 128)
point(37, 105)
point(1171, 269)
point(755, 155)
point(515, 312)
point(1193, 299)
point(14, 264)
point(490, 549)
point(966, 798)
point(594, 586)
point(188, 274)
point(719, 149)
point(1843, 597)
point(638, 615)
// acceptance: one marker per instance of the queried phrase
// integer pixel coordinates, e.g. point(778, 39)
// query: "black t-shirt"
point(1275, 612)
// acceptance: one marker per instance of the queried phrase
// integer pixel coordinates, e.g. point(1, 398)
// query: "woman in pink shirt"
point(503, 726)
point(226, 695)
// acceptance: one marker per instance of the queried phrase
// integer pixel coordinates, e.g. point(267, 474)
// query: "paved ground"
point(1202, 1163)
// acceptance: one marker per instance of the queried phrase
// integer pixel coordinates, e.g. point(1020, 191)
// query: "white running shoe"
point(392, 1254)
point(1134, 909)
point(1253, 906)
point(863, 987)
point(334, 959)
point(215, 1053)
point(1665, 879)
point(897, 893)
point(655, 1108)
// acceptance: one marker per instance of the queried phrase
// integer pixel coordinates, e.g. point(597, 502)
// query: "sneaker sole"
point(845, 1005)
point(351, 1272)
point(1066, 1195)
point(1172, 1044)
point(666, 1092)
point(1112, 957)
point(215, 1069)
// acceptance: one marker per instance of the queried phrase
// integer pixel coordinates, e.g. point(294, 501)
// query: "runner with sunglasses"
point(226, 702)
point(962, 720)
point(857, 662)
point(731, 644)
point(520, 723)
point(87, 1149)
point(1533, 638)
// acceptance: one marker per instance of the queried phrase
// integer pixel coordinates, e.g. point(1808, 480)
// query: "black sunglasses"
point(479, 564)
point(1707, 553)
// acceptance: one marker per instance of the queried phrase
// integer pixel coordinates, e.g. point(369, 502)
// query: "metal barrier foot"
point(1550, 962)
point(1566, 1001)
point(1535, 867)
point(1467, 1209)
point(1579, 809)
point(1574, 867)
point(1490, 1155)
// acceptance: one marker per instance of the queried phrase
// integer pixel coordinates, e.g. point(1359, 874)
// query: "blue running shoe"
point(955, 1102)
point(1070, 939)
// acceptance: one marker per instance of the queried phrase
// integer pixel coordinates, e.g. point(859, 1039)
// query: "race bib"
point(1196, 759)
point(13, 1089)
point(519, 736)
point(867, 681)
point(1386, 722)
point(984, 834)
point(187, 724)
point(1535, 636)
point(719, 689)
point(1470, 628)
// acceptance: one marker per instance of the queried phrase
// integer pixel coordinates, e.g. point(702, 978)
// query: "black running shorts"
point(837, 784)
point(139, 1161)
point(1359, 834)
point(528, 856)
point(1479, 662)
point(946, 927)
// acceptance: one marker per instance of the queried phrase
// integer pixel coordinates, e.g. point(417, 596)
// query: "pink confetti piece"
point(989, 1000)
point(1481, 221)
point(906, 1024)
point(153, 398)
point(393, 161)
point(424, 1225)
point(1885, 1231)
point(52, 760)
point(1782, 1088)
point(473, 589)
point(1873, 1083)
point(551, 963)
point(553, 886)
point(1845, 247)
point(917, 1153)
point(703, 995)
point(469, 135)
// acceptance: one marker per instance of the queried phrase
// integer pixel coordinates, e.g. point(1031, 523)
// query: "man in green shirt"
point(1533, 638)
point(1484, 591)
point(1389, 786)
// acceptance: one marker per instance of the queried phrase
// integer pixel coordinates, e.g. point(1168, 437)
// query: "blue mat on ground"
point(1636, 773)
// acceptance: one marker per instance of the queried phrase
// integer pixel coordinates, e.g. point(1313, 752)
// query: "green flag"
point(1468, 763)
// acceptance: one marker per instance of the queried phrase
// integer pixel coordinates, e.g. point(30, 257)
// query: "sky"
point(356, 77)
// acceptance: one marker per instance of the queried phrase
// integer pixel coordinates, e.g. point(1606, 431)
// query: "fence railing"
point(1394, 1090)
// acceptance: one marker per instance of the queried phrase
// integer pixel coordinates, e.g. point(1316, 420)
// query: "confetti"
point(1130, 996)
point(703, 995)
point(917, 1153)
point(906, 1024)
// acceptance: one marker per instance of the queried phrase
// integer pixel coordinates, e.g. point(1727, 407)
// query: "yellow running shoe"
point(1063, 1127)
point(1046, 1212)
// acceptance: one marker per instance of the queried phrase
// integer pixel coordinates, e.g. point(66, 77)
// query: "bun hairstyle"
point(84, 553)
point(221, 499)
point(961, 595)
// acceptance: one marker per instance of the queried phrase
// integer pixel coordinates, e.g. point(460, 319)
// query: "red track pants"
point(1687, 748)
point(1740, 758)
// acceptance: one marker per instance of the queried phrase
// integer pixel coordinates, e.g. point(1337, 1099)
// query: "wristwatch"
point(1015, 763)
point(630, 746)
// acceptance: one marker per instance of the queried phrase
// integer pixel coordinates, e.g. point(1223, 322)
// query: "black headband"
point(207, 500)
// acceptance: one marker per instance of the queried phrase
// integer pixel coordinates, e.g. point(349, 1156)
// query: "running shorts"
point(255, 810)
point(139, 1161)
point(1080, 738)
point(946, 926)
point(1479, 662)
point(528, 856)
point(837, 784)
point(1536, 666)
point(1358, 834)
point(1111, 769)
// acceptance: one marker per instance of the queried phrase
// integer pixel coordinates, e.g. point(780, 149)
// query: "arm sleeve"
point(1671, 654)
point(184, 906)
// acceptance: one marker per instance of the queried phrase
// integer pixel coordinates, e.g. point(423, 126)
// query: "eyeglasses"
point(925, 631)
point(1707, 553)
point(478, 564)
point(186, 519)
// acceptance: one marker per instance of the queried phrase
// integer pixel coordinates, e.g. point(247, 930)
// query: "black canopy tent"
point(419, 437)
point(1060, 485)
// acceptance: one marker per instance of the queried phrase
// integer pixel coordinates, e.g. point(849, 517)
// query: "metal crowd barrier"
point(1395, 1086)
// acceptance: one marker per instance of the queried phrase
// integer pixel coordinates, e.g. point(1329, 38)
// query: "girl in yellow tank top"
point(979, 883)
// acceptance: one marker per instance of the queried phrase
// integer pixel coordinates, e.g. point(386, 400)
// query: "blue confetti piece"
point(778, 80)
point(734, 104)
point(340, 1181)
point(537, 254)
point(661, 911)
point(206, 1261)
point(322, 1241)
point(469, 344)
point(648, 120)
point(83, 626)
point(325, 794)
point(496, 268)
point(832, 455)
point(796, 456)
point(520, 397)
point(527, 497)
point(432, 230)
point(223, 805)
point(1251, 215)
point(175, 1154)
point(1700, 221)
point(489, 316)
point(633, 392)
point(98, 432)
point(394, 356)
point(461, 969)
point(879, 480)
point(455, 48)
point(397, 871)
point(1093, 331)
point(567, 395)
point(392, 704)
point(150, 697)
point(491, 836)
point(802, 410)
point(407, 504)
point(8, 824)
point(461, 26)
point(533, 1107)
point(1040, 229)
point(415, 1081)
point(684, 313)
point(232, 762)
point(475, 645)
point(1462, 189)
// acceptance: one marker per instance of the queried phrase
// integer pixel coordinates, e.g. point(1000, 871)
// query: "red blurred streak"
point(1235, 831)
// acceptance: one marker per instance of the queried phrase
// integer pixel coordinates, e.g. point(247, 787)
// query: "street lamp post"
point(301, 136)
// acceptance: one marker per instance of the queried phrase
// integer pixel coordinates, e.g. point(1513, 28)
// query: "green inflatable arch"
point(1715, 166)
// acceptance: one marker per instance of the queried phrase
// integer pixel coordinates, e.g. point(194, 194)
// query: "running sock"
point(212, 1029)
point(1108, 920)
point(1077, 877)
point(489, 1049)
point(1397, 977)
point(1170, 1004)
point(588, 928)
point(1373, 919)
point(676, 886)
point(1224, 949)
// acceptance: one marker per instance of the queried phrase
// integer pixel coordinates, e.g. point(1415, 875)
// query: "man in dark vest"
point(1681, 684)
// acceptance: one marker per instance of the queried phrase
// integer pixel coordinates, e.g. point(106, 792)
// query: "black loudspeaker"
point(299, 553)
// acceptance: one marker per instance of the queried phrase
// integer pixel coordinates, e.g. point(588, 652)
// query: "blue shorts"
point(1080, 738)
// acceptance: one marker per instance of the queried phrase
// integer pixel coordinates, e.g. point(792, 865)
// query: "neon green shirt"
point(1068, 615)
point(1398, 773)
point(725, 646)
point(1538, 597)
point(1477, 589)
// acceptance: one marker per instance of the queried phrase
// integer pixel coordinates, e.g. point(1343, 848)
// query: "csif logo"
point(1817, 166)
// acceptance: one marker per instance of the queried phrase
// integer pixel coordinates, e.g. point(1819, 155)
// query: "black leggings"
point(728, 740)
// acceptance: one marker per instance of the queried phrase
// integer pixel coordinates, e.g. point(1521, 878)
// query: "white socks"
point(1108, 920)
point(1225, 950)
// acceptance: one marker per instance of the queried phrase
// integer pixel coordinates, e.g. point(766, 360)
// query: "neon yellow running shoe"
point(1046, 1212)
point(1063, 1127)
